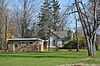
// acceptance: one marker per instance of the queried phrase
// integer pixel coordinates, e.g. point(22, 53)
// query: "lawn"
point(47, 58)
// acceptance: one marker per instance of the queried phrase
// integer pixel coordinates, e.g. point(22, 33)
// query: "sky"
point(63, 5)
point(37, 6)
point(38, 3)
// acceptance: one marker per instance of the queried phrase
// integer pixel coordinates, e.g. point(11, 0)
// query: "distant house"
point(27, 45)
point(57, 38)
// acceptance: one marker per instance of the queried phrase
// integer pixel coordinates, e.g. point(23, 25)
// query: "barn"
point(27, 45)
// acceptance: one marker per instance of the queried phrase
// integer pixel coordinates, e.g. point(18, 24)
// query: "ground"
point(59, 58)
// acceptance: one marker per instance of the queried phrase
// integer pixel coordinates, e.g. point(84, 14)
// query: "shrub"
point(70, 45)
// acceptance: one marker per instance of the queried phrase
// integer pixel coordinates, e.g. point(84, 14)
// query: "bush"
point(70, 45)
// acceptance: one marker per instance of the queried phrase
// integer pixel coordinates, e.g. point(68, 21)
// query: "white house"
point(56, 39)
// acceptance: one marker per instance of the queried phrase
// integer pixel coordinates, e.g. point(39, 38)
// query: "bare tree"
point(89, 26)
point(3, 20)
point(26, 15)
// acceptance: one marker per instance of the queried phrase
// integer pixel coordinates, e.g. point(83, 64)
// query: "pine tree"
point(44, 23)
point(55, 18)
point(49, 17)
point(55, 14)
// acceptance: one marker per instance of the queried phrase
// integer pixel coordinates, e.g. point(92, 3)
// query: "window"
point(45, 45)
point(16, 45)
point(31, 42)
point(54, 42)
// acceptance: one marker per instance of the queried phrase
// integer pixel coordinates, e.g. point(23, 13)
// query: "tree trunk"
point(49, 44)
point(56, 45)
point(77, 47)
point(97, 48)
point(91, 46)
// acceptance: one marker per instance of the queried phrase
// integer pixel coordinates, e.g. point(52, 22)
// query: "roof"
point(24, 39)
point(60, 34)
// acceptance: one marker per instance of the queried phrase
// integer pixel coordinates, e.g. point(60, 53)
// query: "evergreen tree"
point(44, 23)
point(55, 14)
point(49, 18)
point(55, 18)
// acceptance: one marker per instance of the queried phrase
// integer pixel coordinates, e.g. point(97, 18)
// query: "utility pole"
point(76, 29)
point(77, 36)
point(6, 33)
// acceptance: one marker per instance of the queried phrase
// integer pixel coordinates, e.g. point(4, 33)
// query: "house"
point(57, 38)
point(27, 45)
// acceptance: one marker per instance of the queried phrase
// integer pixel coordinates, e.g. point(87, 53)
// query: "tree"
point(69, 35)
point(26, 16)
point(34, 30)
point(55, 14)
point(3, 22)
point(76, 33)
point(56, 18)
point(44, 23)
point(89, 26)
point(11, 29)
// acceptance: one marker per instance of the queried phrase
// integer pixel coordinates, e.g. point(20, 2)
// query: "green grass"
point(47, 58)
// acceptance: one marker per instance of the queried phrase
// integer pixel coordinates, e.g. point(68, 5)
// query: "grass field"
point(47, 58)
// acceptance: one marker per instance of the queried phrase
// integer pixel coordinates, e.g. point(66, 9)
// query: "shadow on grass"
point(41, 56)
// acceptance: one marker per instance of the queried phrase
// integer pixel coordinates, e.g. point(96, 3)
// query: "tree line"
point(19, 22)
